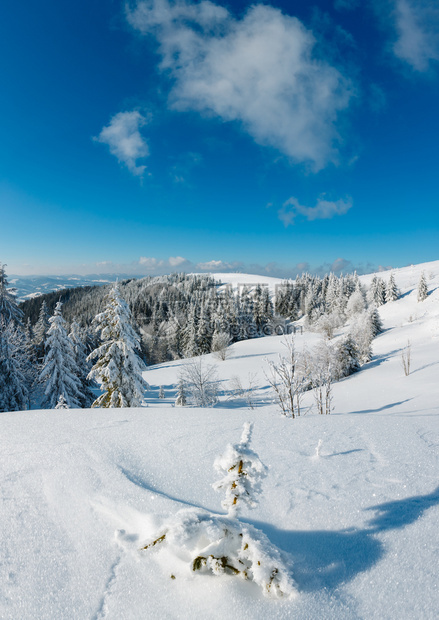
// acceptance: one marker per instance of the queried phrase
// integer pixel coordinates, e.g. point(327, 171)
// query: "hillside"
point(82, 490)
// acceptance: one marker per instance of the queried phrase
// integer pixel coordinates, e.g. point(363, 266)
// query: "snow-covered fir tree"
point(348, 360)
point(181, 399)
point(222, 545)
point(422, 288)
point(377, 291)
point(15, 370)
point(9, 309)
point(60, 373)
point(118, 368)
point(40, 331)
point(83, 366)
point(375, 323)
point(392, 291)
point(242, 472)
point(62, 403)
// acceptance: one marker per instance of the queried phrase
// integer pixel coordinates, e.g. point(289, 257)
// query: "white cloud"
point(417, 28)
point(149, 262)
point(123, 137)
point(260, 71)
point(175, 261)
point(215, 265)
point(324, 209)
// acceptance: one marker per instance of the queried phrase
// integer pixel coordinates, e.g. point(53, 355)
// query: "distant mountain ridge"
point(27, 287)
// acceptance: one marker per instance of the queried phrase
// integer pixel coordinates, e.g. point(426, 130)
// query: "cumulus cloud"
point(123, 137)
point(324, 210)
point(417, 29)
point(260, 71)
point(176, 261)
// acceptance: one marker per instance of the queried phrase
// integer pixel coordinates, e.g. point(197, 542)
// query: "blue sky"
point(178, 135)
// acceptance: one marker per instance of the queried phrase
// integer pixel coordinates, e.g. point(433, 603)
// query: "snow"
point(353, 497)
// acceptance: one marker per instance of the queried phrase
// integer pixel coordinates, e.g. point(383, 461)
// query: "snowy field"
point(83, 490)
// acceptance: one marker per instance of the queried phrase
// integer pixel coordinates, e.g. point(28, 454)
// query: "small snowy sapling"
point(242, 474)
point(222, 545)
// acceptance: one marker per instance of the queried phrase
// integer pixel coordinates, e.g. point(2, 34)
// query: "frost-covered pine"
point(355, 304)
point(422, 288)
point(62, 403)
point(377, 291)
point(118, 368)
point(60, 372)
point(9, 309)
point(242, 472)
point(15, 369)
point(181, 399)
point(348, 358)
point(222, 545)
point(392, 292)
point(375, 323)
point(40, 331)
point(84, 367)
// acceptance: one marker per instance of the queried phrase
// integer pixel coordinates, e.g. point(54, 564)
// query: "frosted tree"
point(286, 383)
point(375, 323)
point(377, 291)
point(323, 363)
point(422, 288)
point(363, 333)
point(242, 472)
point(220, 343)
point(222, 545)
point(181, 399)
point(118, 368)
point(201, 382)
point(355, 304)
point(392, 292)
point(15, 370)
point(9, 309)
point(347, 354)
point(40, 331)
point(62, 403)
point(60, 371)
point(83, 367)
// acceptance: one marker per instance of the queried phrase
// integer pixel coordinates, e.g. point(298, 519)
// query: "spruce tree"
point(181, 399)
point(375, 323)
point(15, 370)
point(40, 331)
point(83, 367)
point(60, 371)
point(392, 292)
point(348, 357)
point(118, 368)
point(422, 288)
point(9, 309)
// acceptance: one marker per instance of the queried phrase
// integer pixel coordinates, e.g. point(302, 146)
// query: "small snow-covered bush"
point(222, 545)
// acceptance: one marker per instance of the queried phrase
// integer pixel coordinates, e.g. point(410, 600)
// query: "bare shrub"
point(406, 355)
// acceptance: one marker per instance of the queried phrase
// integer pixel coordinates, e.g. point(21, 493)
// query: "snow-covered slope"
point(82, 490)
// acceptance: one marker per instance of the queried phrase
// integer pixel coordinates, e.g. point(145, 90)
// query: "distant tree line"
point(60, 344)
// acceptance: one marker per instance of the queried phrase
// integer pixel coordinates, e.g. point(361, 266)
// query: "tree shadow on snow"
point(384, 407)
point(328, 559)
